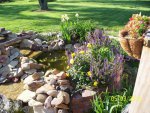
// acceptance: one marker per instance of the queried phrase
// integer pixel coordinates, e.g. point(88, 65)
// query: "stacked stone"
point(47, 94)
point(37, 43)
point(9, 64)
point(6, 35)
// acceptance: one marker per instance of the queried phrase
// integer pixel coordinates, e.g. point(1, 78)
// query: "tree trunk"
point(43, 4)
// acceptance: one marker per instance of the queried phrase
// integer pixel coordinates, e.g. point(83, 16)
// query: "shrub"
point(96, 63)
point(75, 30)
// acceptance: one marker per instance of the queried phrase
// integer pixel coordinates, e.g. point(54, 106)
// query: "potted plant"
point(132, 35)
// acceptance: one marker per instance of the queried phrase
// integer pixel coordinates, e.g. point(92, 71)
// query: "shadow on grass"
point(105, 16)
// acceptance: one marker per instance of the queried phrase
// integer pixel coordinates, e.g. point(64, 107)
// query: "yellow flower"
point(95, 83)
point(71, 61)
point(73, 55)
point(67, 75)
point(81, 52)
point(89, 45)
point(68, 67)
point(89, 73)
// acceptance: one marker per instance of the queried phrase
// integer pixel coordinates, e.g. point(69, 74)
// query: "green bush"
point(96, 64)
point(75, 30)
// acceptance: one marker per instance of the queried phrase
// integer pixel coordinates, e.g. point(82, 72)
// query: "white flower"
point(64, 17)
point(77, 15)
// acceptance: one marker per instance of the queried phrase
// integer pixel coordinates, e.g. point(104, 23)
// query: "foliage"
point(110, 103)
point(75, 30)
point(5, 1)
point(96, 63)
point(136, 27)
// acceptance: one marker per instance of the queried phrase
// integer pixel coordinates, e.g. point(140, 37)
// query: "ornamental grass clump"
point(96, 64)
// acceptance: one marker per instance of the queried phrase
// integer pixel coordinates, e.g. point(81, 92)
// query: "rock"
point(30, 32)
point(26, 96)
point(38, 41)
point(61, 75)
point(26, 43)
point(65, 96)
point(25, 66)
point(69, 47)
point(60, 43)
point(57, 101)
point(34, 103)
point(16, 72)
point(56, 46)
point(40, 109)
point(77, 45)
point(13, 63)
point(44, 89)
point(24, 60)
point(37, 75)
point(87, 93)
point(35, 66)
point(55, 71)
point(48, 72)
point(63, 82)
point(50, 48)
point(63, 110)
point(52, 93)
point(36, 47)
point(6, 62)
point(28, 80)
point(15, 79)
point(6, 32)
point(2, 29)
point(41, 97)
point(47, 103)
point(45, 46)
point(31, 71)
point(3, 58)
point(24, 76)
point(13, 56)
point(1, 65)
point(12, 36)
point(66, 88)
point(34, 85)
point(14, 50)
point(4, 71)
point(62, 106)
point(52, 81)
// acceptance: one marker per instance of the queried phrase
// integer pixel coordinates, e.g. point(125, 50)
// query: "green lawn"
point(109, 14)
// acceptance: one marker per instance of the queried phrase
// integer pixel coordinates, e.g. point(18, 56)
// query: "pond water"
point(51, 60)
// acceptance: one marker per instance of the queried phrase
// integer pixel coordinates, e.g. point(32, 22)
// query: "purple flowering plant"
point(96, 63)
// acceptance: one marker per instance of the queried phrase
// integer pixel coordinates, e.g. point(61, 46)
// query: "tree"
point(43, 4)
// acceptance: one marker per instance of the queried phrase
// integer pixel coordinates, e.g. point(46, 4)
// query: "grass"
point(109, 14)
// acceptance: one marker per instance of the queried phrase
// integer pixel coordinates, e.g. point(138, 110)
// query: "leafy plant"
point(110, 103)
point(75, 30)
point(96, 63)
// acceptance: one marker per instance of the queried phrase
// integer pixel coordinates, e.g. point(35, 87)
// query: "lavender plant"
point(96, 63)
